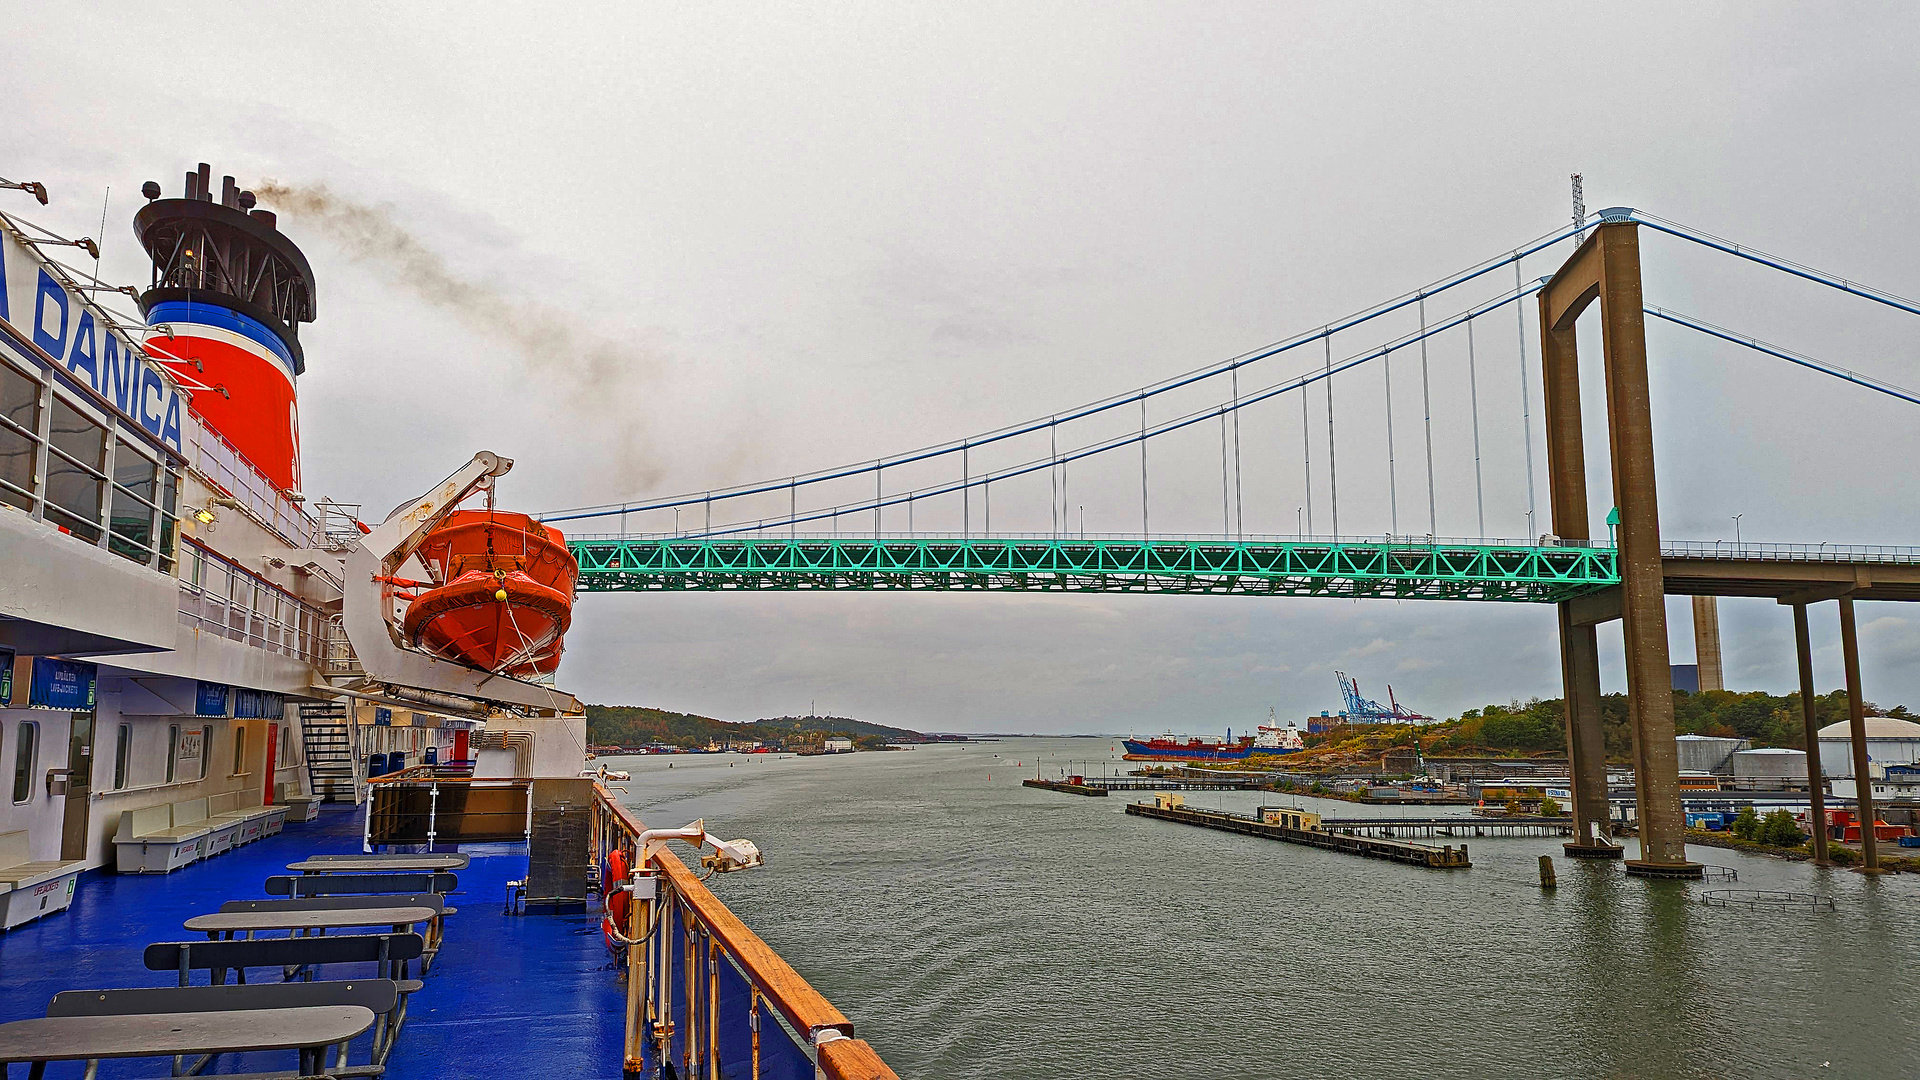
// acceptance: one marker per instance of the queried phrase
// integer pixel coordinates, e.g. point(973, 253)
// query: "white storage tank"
point(1770, 762)
point(1706, 753)
point(1890, 741)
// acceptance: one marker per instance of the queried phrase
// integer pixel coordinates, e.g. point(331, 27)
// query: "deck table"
point(401, 918)
point(373, 864)
point(92, 1038)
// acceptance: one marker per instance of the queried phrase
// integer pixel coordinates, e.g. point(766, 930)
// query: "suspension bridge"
point(748, 540)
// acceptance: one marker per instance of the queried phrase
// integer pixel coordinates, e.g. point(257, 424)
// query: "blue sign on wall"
point(62, 684)
point(211, 700)
point(6, 676)
point(382, 717)
point(255, 704)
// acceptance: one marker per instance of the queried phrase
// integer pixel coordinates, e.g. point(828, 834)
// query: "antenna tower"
point(1579, 211)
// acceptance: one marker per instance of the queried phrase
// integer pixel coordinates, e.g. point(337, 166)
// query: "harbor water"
point(971, 927)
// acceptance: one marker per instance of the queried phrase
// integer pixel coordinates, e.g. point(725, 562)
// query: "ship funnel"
point(232, 292)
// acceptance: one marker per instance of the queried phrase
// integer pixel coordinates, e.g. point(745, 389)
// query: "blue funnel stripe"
point(184, 311)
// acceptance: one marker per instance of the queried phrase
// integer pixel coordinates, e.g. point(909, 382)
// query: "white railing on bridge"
point(1833, 553)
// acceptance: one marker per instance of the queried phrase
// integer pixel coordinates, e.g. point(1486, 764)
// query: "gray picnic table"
point(364, 864)
point(92, 1038)
point(401, 918)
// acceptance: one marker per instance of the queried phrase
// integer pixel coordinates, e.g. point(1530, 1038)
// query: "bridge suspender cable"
point(1393, 483)
point(1426, 407)
point(1104, 405)
point(1473, 398)
point(1526, 401)
point(1163, 428)
point(1306, 464)
point(1144, 530)
point(1239, 508)
point(1333, 474)
point(1759, 346)
point(1226, 507)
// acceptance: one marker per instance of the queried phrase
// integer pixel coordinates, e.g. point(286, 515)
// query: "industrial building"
point(1890, 741)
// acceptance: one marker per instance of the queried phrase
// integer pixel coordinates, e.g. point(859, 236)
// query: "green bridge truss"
point(1400, 571)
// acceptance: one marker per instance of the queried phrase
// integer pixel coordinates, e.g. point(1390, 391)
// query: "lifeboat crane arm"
point(367, 618)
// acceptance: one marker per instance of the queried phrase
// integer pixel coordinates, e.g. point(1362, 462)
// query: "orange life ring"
point(617, 872)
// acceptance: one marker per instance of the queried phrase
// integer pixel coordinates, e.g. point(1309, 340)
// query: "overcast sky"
point(699, 246)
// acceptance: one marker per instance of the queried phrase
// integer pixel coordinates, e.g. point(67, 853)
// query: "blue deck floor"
point(526, 996)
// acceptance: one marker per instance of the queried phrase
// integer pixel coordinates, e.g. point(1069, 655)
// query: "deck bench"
point(386, 999)
point(301, 954)
point(147, 841)
point(298, 807)
point(256, 821)
point(30, 889)
point(192, 813)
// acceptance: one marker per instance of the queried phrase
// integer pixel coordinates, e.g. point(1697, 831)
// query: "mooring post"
point(1546, 873)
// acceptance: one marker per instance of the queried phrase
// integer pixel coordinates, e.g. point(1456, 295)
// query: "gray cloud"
point(1087, 199)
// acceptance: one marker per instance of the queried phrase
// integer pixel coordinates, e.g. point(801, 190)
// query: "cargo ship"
point(1165, 748)
point(1267, 739)
point(208, 679)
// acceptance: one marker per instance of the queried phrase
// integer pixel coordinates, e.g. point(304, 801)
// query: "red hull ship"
point(501, 596)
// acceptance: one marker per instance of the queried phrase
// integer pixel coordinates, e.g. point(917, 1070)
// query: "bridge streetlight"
point(1736, 529)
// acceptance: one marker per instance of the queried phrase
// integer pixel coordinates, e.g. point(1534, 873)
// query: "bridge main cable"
point(1117, 442)
point(1512, 258)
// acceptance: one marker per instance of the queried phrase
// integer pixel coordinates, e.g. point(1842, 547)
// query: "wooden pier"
point(1437, 858)
point(1451, 826)
point(1066, 786)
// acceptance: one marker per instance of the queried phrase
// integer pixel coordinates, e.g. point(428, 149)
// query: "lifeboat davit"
point(502, 596)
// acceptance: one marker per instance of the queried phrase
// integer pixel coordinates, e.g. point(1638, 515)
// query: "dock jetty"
point(1070, 786)
point(1296, 826)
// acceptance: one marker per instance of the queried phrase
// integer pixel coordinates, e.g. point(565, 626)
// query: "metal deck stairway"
point(327, 737)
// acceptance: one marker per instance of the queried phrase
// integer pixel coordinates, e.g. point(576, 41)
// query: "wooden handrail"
point(786, 990)
point(853, 1059)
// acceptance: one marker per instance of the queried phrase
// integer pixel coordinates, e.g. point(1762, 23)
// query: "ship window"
point(75, 484)
point(206, 749)
point(122, 755)
point(19, 436)
point(239, 750)
point(135, 488)
point(169, 507)
point(25, 749)
point(173, 749)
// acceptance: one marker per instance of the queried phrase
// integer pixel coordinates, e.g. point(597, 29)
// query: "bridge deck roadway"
point(1804, 578)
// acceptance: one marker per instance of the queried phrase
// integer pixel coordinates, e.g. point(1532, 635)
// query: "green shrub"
point(1780, 830)
point(1549, 807)
point(1747, 825)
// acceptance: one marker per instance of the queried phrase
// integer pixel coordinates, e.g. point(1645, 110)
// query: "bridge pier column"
point(1810, 716)
point(1607, 268)
point(1857, 727)
point(1586, 743)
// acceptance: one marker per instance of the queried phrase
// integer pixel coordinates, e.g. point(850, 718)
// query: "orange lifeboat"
point(502, 596)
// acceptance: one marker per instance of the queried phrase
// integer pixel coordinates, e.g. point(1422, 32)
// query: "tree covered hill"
point(634, 725)
point(1537, 727)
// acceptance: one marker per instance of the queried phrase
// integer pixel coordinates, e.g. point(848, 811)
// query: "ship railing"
point(338, 660)
point(219, 597)
point(219, 462)
point(429, 804)
point(704, 992)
